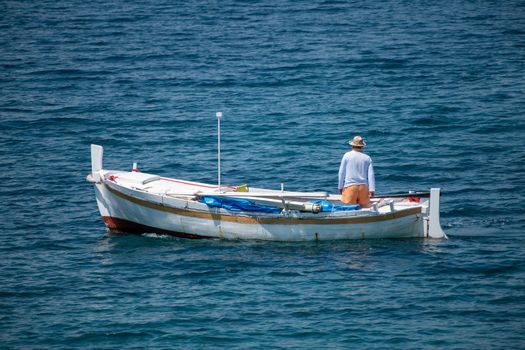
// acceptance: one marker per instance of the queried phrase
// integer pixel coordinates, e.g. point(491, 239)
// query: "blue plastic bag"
point(237, 204)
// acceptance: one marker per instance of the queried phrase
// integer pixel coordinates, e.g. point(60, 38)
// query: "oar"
point(305, 195)
point(267, 194)
point(404, 195)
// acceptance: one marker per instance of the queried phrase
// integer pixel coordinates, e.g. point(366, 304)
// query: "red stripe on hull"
point(126, 226)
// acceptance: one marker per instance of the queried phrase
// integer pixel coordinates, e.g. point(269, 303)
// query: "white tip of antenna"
point(219, 114)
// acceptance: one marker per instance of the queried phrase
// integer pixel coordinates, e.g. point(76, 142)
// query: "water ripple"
point(436, 90)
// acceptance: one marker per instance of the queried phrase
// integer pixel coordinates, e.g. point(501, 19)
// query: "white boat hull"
point(125, 213)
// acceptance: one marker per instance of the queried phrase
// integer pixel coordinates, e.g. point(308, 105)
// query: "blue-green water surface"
point(437, 89)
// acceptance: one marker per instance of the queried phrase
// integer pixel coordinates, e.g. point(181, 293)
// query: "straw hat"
point(357, 141)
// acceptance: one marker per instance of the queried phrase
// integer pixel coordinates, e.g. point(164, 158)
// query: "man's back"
point(356, 168)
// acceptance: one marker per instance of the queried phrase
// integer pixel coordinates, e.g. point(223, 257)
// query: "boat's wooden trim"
point(266, 220)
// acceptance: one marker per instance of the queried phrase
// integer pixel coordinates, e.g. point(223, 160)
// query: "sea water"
point(436, 90)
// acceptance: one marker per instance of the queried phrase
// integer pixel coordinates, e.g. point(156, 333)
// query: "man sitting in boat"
point(356, 175)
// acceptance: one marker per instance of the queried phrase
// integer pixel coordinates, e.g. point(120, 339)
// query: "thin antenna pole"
point(219, 116)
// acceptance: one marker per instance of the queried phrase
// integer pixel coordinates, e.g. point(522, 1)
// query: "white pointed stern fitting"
point(95, 177)
point(434, 225)
point(97, 153)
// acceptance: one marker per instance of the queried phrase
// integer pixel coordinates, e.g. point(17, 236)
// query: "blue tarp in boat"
point(237, 204)
point(327, 206)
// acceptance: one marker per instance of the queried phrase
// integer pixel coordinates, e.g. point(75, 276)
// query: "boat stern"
point(433, 224)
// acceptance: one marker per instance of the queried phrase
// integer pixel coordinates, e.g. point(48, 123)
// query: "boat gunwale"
point(246, 218)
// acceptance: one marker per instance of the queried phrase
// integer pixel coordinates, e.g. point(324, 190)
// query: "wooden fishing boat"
point(136, 202)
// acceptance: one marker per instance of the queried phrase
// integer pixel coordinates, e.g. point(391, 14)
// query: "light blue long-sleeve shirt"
point(356, 169)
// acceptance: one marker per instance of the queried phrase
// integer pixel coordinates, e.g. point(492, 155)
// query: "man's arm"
point(371, 179)
point(342, 174)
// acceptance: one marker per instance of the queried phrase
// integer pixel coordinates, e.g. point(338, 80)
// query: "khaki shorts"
point(356, 194)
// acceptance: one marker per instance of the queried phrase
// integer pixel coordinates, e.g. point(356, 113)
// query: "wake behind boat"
point(137, 202)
